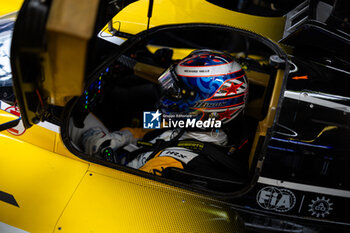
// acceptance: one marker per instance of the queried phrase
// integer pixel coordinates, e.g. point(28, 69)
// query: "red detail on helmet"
point(227, 114)
point(211, 97)
point(216, 60)
point(225, 98)
point(234, 105)
point(233, 88)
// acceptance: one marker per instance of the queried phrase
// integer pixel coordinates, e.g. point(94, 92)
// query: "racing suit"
point(173, 156)
point(202, 152)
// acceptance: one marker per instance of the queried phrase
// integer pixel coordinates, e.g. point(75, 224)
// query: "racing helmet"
point(205, 84)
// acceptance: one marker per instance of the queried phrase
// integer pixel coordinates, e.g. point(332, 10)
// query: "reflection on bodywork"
point(6, 27)
point(300, 143)
point(316, 99)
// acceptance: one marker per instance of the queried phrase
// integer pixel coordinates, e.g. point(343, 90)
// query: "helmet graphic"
point(205, 84)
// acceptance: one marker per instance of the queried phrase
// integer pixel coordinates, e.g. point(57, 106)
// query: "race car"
point(65, 69)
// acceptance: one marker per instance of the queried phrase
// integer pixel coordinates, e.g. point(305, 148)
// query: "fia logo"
point(277, 199)
point(151, 120)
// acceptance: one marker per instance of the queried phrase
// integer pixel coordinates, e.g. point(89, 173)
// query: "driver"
point(205, 85)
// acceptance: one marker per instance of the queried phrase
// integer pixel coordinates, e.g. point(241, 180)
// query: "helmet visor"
point(168, 82)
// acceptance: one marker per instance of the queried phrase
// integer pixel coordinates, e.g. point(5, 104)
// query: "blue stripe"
point(301, 143)
point(280, 148)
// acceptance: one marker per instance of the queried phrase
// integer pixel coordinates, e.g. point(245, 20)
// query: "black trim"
point(8, 198)
point(264, 217)
point(28, 42)
point(10, 124)
point(124, 35)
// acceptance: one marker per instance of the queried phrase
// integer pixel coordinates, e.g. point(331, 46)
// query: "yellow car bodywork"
point(56, 191)
point(194, 11)
point(9, 6)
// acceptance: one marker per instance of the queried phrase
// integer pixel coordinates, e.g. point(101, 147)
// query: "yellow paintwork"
point(41, 182)
point(120, 202)
point(6, 117)
point(58, 193)
point(265, 124)
point(35, 136)
point(55, 192)
point(66, 194)
point(9, 6)
point(39, 136)
point(51, 140)
point(133, 18)
point(69, 31)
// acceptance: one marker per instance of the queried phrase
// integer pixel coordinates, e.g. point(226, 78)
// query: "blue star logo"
point(151, 120)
